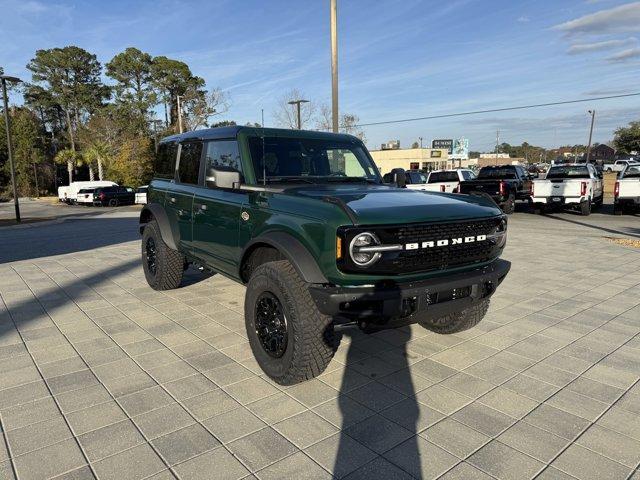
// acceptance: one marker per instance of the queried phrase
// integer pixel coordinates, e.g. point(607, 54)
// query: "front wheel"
point(163, 267)
point(291, 339)
point(459, 321)
point(618, 210)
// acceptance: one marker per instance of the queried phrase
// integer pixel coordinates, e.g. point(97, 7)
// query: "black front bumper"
point(393, 304)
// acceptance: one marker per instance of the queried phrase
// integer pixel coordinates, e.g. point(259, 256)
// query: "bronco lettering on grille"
point(445, 242)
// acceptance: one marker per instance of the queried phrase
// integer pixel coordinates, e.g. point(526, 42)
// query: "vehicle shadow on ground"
point(66, 237)
point(377, 432)
point(630, 231)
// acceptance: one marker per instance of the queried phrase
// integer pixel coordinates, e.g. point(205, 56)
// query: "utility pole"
point(593, 118)
point(262, 114)
point(497, 142)
point(334, 64)
point(297, 104)
point(7, 123)
point(179, 114)
point(35, 175)
point(420, 138)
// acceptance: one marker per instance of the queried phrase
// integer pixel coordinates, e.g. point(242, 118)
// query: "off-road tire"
point(585, 208)
point(457, 322)
point(169, 262)
point(311, 340)
point(510, 205)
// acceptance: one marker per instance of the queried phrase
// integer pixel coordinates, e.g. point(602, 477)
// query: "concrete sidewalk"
point(102, 377)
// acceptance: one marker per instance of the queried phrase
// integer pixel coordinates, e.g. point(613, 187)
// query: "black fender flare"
point(157, 212)
point(293, 250)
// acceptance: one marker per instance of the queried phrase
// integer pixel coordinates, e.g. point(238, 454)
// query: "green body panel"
point(311, 214)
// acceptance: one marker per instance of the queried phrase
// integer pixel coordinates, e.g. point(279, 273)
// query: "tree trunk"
point(166, 117)
point(100, 172)
point(91, 174)
point(70, 131)
point(70, 170)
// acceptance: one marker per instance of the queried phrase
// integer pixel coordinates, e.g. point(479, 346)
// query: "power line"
point(493, 110)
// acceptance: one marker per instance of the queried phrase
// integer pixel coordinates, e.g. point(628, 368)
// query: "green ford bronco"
point(304, 220)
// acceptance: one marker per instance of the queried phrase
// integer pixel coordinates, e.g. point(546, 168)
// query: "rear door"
point(179, 200)
point(164, 172)
point(216, 211)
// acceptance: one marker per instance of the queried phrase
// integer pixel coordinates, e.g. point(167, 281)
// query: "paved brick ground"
point(103, 377)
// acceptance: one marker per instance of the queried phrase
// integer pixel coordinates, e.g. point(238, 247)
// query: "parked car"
point(85, 196)
point(575, 186)
point(448, 181)
point(620, 165)
point(503, 184)
point(626, 194)
point(416, 180)
point(114, 196)
point(141, 195)
point(304, 220)
point(69, 194)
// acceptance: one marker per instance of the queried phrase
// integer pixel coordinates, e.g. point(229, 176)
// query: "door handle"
point(172, 199)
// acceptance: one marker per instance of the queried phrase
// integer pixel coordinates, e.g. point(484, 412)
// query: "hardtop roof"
point(233, 131)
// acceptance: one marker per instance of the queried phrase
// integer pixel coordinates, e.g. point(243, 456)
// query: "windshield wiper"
point(288, 180)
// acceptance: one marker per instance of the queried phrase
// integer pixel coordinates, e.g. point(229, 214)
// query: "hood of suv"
point(381, 204)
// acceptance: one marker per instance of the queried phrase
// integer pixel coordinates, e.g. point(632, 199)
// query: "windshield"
point(310, 161)
point(632, 171)
point(436, 177)
point(497, 172)
point(567, 172)
point(85, 190)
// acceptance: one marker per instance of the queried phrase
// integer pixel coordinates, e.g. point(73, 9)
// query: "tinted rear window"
point(165, 161)
point(189, 165)
point(497, 172)
point(85, 190)
point(437, 177)
point(567, 172)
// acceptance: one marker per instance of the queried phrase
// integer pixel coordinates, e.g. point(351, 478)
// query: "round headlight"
point(359, 252)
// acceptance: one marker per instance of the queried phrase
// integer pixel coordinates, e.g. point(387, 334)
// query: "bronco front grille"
point(413, 260)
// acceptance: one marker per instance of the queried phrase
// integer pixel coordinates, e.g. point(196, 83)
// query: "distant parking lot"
point(102, 377)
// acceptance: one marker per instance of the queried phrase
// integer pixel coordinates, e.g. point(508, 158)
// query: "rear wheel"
point(457, 322)
point(163, 266)
point(113, 202)
point(539, 209)
point(618, 209)
point(291, 339)
point(585, 208)
point(510, 205)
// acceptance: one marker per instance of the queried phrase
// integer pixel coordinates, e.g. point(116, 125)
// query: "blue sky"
point(398, 58)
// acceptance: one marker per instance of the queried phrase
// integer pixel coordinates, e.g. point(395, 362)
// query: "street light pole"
point(179, 114)
point(593, 118)
point(334, 65)
point(297, 104)
point(4, 79)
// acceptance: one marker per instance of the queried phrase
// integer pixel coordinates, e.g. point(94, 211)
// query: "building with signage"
point(412, 159)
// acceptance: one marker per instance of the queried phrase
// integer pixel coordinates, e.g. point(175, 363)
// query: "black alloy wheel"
point(271, 325)
point(151, 255)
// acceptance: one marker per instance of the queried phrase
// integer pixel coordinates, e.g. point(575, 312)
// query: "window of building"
point(189, 165)
point(414, 166)
point(164, 165)
point(436, 154)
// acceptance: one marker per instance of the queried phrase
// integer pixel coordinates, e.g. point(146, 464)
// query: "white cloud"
point(524, 19)
point(624, 55)
point(621, 19)
point(597, 46)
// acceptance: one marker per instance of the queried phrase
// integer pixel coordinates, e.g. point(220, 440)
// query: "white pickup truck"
point(620, 165)
point(415, 180)
point(448, 181)
point(626, 193)
point(576, 186)
point(69, 194)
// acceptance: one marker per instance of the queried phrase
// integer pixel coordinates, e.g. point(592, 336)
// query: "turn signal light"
point(338, 248)
point(503, 188)
point(616, 190)
point(583, 188)
point(442, 188)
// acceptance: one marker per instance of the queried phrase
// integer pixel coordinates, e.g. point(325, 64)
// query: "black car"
point(114, 196)
point(504, 184)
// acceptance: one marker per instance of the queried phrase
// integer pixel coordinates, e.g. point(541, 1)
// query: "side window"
point(189, 165)
point(165, 161)
point(223, 153)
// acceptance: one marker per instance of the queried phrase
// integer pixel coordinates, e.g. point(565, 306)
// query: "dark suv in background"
point(114, 196)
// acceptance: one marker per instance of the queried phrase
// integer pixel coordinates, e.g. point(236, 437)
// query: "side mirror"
point(222, 178)
point(399, 177)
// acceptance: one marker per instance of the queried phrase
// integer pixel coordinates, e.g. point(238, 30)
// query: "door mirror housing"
point(223, 177)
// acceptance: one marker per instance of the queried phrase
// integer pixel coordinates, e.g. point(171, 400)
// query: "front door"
point(179, 199)
point(217, 212)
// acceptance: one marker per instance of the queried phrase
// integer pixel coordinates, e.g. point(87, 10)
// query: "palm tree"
point(70, 157)
point(100, 153)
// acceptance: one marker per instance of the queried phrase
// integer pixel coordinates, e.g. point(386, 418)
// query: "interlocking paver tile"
point(109, 440)
point(135, 464)
point(504, 462)
point(455, 437)
point(28, 413)
point(563, 424)
point(276, 408)
point(305, 429)
point(379, 468)
point(50, 461)
point(163, 420)
point(297, 465)
point(220, 461)
point(533, 441)
point(251, 390)
point(231, 425)
point(144, 400)
point(183, 444)
point(421, 458)
point(262, 448)
point(340, 454)
point(97, 416)
point(442, 399)
point(484, 419)
point(587, 465)
point(209, 404)
point(465, 471)
point(378, 434)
